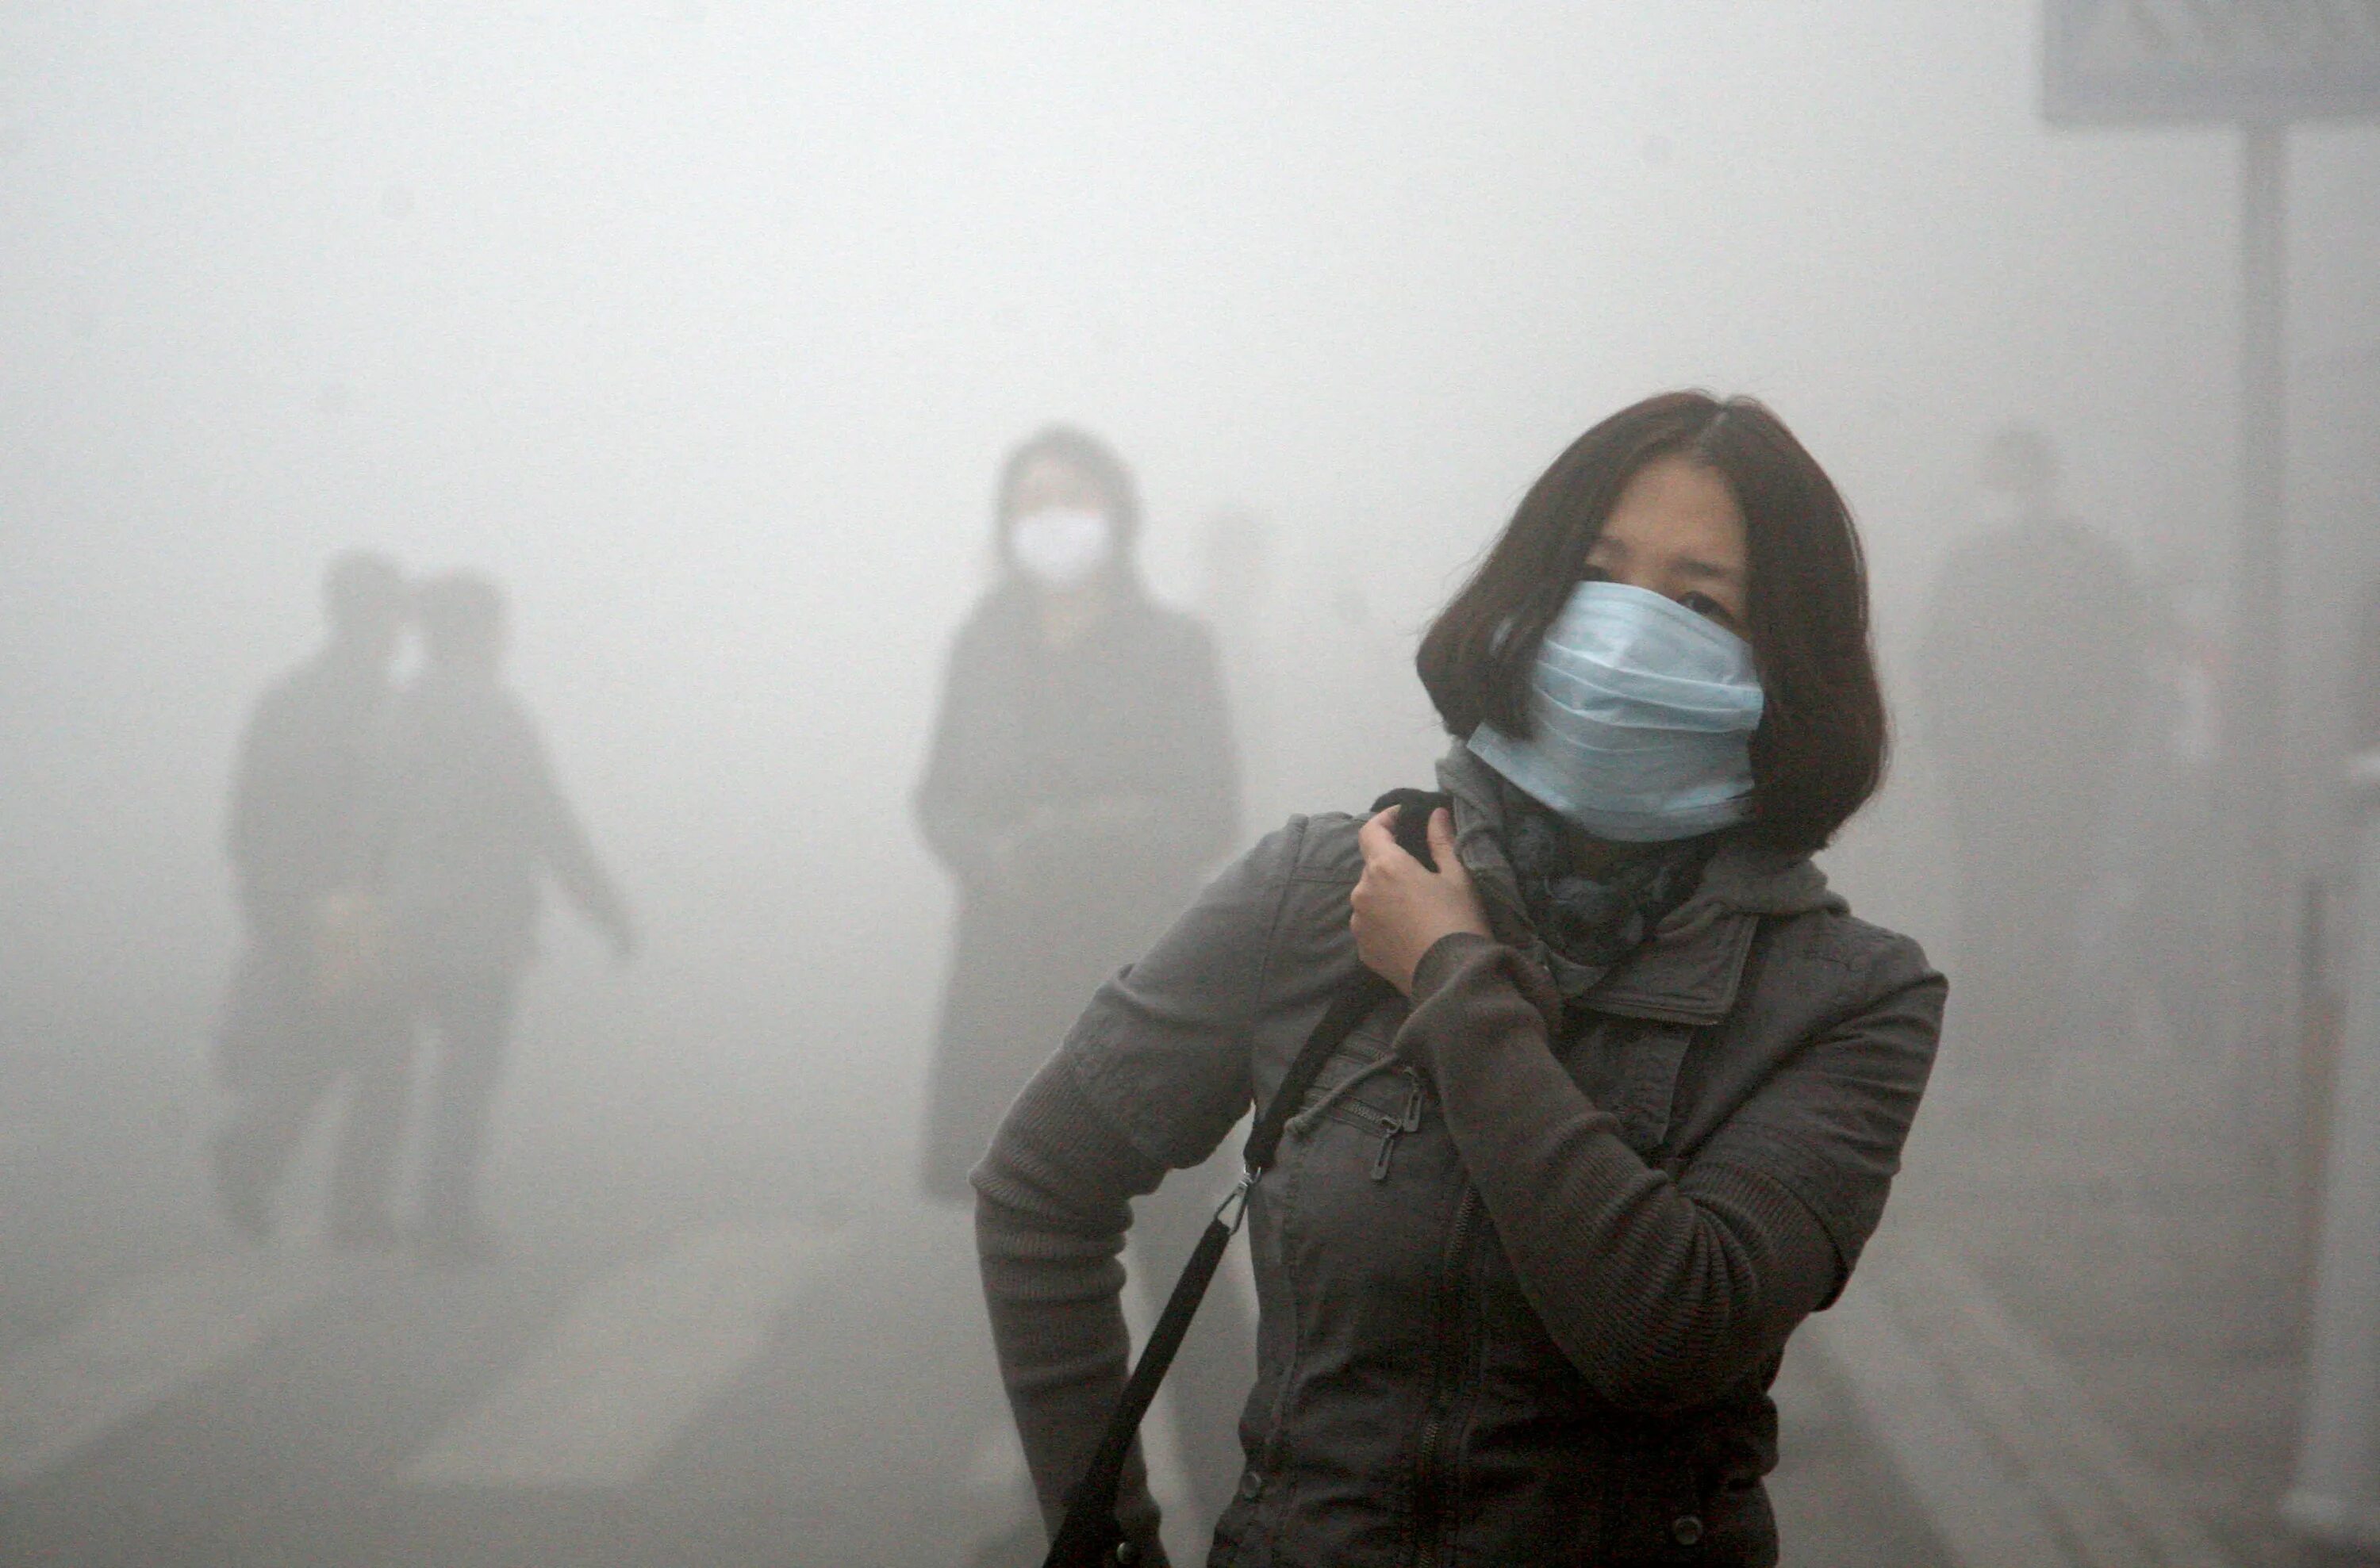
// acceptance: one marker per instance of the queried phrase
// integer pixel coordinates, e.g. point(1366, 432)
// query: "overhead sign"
point(2131, 62)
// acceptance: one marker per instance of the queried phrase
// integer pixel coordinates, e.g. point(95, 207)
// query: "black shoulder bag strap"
point(1090, 1537)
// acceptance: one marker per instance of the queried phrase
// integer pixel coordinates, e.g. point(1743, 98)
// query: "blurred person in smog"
point(1081, 781)
point(1624, 1113)
point(305, 1004)
point(2034, 676)
point(467, 820)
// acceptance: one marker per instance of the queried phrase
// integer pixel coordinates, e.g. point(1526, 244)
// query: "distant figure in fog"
point(1081, 781)
point(2034, 677)
point(304, 1006)
point(467, 819)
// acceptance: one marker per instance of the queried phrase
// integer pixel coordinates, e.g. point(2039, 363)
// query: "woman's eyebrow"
point(1709, 572)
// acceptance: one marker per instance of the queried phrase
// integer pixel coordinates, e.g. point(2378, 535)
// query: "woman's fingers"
point(1399, 907)
point(1376, 839)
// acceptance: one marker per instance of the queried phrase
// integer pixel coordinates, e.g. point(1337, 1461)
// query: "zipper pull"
point(1392, 1126)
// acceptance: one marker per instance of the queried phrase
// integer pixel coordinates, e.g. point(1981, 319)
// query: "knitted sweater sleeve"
point(1052, 1201)
point(1665, 1293)
point(1153, 1077)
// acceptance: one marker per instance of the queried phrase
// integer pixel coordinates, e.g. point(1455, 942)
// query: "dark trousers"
point(469, 1014)
point(285, 1048)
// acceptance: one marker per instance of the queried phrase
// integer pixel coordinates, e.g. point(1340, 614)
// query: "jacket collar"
point(1689, 971)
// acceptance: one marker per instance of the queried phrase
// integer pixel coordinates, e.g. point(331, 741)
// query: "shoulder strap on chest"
point(1362, 993)
point(1089, 1534)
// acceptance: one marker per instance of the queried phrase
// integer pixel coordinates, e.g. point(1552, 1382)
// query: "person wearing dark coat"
point(1630, 1087)
point(466, 821)
point(1081, 782)
point(2034, 678)
point(303, 1008)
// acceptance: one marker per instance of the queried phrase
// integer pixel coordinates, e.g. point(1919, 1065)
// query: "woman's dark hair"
point(1819, 752)
point(1087, 455)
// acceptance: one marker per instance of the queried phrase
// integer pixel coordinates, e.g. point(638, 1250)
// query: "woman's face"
point(1676, 531)
point(1051, 482)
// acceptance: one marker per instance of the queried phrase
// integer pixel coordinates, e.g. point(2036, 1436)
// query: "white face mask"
point(1060, 547)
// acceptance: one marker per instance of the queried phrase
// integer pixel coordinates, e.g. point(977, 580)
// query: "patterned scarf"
point(1595, 920)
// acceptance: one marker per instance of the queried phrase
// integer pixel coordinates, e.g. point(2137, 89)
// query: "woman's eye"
point(1703, 604)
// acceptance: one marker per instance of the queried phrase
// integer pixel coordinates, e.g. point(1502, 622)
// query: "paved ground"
point(765, 1384)
point(2116, 1218)
point(2072, 1346)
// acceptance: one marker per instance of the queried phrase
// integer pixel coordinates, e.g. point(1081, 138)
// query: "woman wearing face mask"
point(1535, 1238)
point(1081, 780)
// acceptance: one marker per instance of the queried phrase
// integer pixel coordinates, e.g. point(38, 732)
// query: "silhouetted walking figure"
point(2034, 677)
point(305, 1002)
point(1082, 780)
point(467, 819)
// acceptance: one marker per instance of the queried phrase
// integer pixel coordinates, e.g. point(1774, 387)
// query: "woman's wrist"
point(1466, 979)
point(1443, 960)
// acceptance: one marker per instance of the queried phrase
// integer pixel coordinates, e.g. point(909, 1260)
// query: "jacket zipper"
point(1392, 1126)
point(1430, 1516)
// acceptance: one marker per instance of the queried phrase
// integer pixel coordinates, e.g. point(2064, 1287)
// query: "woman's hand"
point(1401, 907)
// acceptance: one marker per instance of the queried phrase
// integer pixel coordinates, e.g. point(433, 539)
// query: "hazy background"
point(704, 327)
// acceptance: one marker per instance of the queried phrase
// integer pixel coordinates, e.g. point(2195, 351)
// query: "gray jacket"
point(1528, 1261)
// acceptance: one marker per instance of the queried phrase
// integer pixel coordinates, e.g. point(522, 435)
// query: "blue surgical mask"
point(1643, 713)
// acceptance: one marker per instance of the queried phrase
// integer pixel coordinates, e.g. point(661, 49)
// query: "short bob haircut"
point(1087, 455)
point(1819, 752)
